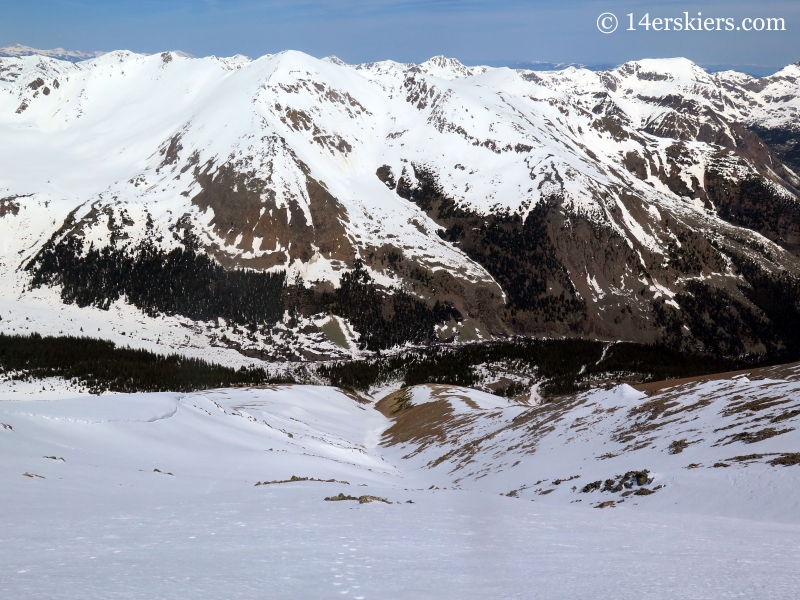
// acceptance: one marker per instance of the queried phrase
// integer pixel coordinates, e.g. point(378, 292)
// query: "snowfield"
point(221, 493)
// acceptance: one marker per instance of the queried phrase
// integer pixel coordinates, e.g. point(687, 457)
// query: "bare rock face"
point(654, 202)
point(245, 211)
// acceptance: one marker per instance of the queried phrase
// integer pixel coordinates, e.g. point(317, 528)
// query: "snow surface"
point(156, 497)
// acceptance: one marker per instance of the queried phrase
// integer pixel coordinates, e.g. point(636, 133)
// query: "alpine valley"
point(293, 328)
point(295, 209)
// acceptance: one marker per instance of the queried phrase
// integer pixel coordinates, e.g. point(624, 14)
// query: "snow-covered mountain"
point(653, 201)
point(18, 50)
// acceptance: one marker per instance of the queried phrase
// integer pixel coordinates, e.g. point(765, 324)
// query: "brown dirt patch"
point(787, 459)
point(425, 423)
point(752, 437)
point(295, 478)
point(366, 499)
point(756, 405)
point(777, 371)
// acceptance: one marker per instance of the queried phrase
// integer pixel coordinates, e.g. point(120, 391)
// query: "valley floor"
point(156, 496)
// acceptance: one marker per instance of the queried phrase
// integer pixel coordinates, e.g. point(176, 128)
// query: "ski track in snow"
point(156, 496)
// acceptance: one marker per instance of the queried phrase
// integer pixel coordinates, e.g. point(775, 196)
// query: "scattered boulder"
point(678, 446)
point(365, 499)
point(295, 479)
point(339, 497)
point(591, 487)
point(620, 483)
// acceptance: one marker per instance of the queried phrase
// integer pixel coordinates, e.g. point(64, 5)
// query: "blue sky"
point(475, 31)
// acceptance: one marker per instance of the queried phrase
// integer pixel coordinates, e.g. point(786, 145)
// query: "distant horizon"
point(476, 31)
point(754, 70)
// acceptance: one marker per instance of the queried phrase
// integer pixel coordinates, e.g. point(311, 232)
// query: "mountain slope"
point(638, 203)
point(227, 488)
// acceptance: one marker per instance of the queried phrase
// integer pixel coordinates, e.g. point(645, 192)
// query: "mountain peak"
point(449, 68)
point(335, 60)
point(442, 61)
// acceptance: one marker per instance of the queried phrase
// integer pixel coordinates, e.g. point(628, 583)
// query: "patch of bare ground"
point(747, 458)
point(537, 423)
point(756, 405)
point(678, 446)
point(560, 481)
point(789, 414)
point(366, 499)
point(434, 424)
point(295, 478)
point(752, 437)
point(653, 409)
point(668, 406)
point(424, 424)
point(787, 371)
point(653, 415)
point(354, 396)
point(540, 420)
point(787, 459)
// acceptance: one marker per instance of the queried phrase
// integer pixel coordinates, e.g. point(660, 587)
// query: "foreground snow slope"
point(156, 495)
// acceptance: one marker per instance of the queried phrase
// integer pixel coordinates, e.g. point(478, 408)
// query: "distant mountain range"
point(290, 207)
point(70, 55)
point(536, 65)
point(752, 70)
